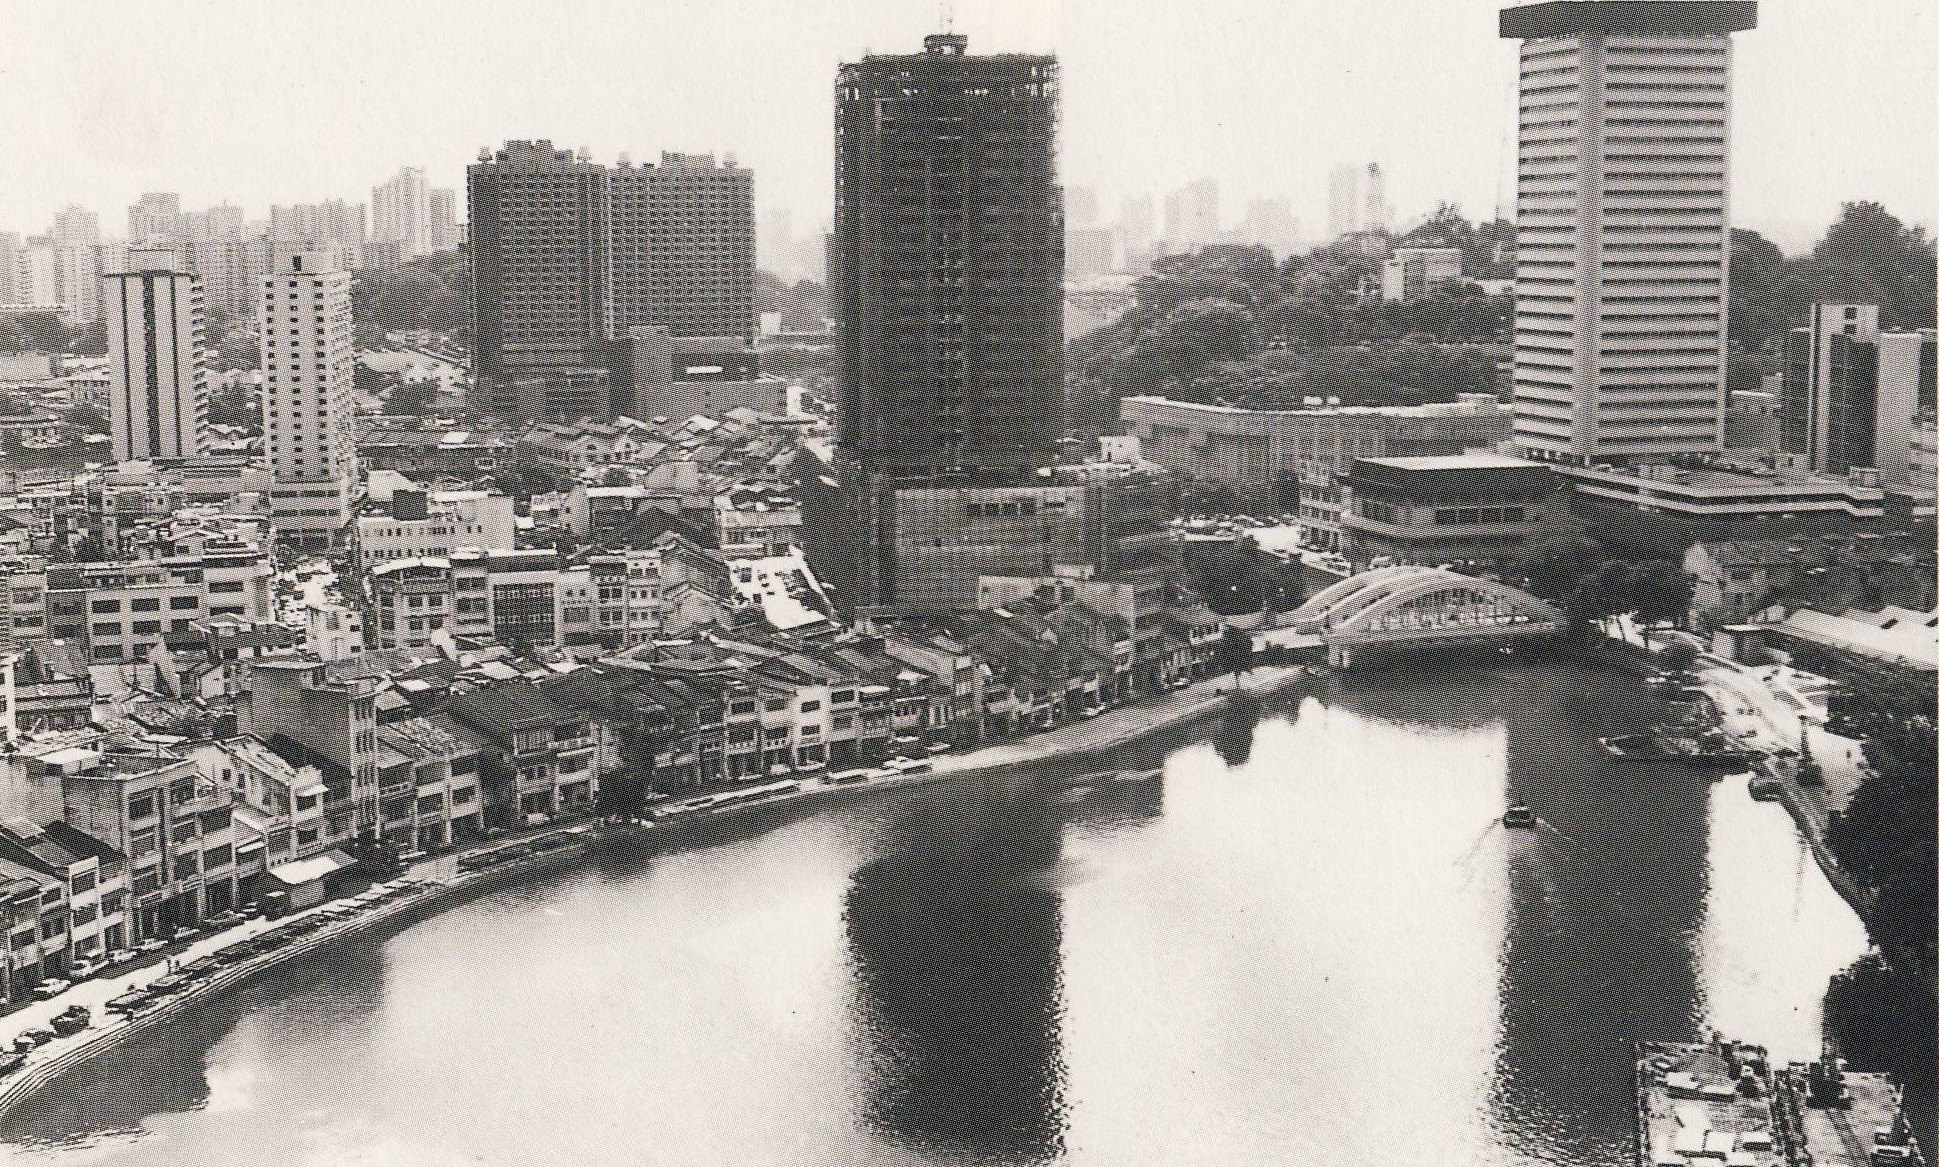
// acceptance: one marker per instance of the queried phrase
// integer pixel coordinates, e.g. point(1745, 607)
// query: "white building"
point(1412, 272)
point(400, 214)
point(307, 355)
point(157, 385)
point(1622, 227)
point(1342, 202)
point(435, 524)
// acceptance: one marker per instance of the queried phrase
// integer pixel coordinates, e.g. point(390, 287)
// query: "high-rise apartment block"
point(445, 235)
point(158, 389)
point(308, 422)
point(1851, 392)
point(1622, 226)
point(680, 246)
point(569, 255)
point(1379, 216)
point(1192, 215)
point(1342, 202)
point(948, 262)
point(156, 215)
point(400, 213)
point(538, 226)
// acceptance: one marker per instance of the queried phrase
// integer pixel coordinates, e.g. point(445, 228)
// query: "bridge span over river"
point(1392, 609)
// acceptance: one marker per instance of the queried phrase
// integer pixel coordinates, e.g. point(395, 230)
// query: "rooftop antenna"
point(946, 13)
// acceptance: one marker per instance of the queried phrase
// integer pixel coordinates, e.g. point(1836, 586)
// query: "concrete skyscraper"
point(309, 424)
point(157, 385)
point(1622, 226)
point(568, 256)
point(538, 263)
point(156, 215)
point(400, 216)
point(1192, 215)
point(1379, 216)
point(1851, 391)
point(1342, 202)
point(948, 261)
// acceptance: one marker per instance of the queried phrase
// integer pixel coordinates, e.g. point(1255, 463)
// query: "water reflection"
point(1605, 898)
point(954, 934)
point(166, 1070)
point(1318, 948)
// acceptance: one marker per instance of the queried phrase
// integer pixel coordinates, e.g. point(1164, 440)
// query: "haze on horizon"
point(270, 101)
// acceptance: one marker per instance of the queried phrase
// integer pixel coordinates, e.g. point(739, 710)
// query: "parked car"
point(86, 967)
point(48, 990)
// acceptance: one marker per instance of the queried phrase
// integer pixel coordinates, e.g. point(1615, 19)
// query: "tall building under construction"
point(948, 263)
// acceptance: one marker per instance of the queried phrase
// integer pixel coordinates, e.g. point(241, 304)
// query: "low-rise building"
point(1467, 508)
point(434, 523)
point(1288, 457)
point(540, 761)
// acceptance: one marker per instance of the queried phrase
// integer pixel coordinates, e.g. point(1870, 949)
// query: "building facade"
point(158, 386)
point(947, 262)
point(1851, 391)
point(1622, 226)
point(309, 423)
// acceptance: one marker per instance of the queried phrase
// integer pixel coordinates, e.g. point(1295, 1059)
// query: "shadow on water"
point(954, 937)
point(1605, 901)
point(166, 1070)
point(955, 933)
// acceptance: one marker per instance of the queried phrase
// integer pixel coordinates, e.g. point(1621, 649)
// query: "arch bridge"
point(1391, 609)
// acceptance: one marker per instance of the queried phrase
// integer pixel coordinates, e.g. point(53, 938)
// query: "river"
point(1308, 942)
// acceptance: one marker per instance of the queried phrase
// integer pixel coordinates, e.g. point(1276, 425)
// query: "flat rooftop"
point(1477, 461)
point(1629, 18)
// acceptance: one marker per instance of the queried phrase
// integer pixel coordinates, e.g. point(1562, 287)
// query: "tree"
point(1235, 651)
point(1678, 656)
point(1886, 835)
point(1554, 567)
point(34, 332)
point(412, 398)
point(1885, 262)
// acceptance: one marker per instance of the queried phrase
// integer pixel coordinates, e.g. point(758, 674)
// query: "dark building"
point(538, 264)
point(1851, 391)
point(947, 263)
point(1469, 508)
point(568, 255)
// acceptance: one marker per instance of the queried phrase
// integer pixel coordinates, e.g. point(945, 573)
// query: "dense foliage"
point(1886, 836)
point(432, 293)
point(1237, 577)
point(1578, 573)
point(1867, 257)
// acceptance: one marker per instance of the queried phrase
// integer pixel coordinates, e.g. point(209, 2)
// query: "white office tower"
point(308, 355)
point(1342, 202)
point(1379, 215)
point(1622, 226)
point(158, 402)
point(400, 216)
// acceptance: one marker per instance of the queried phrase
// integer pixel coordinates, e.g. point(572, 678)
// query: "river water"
point(1308, 942)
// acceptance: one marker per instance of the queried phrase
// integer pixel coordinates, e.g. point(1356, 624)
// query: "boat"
point(1518, 815)
point(1705, 751)
point(1765, 788)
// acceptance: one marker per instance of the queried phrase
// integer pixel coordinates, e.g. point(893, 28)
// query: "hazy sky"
point(261, 101)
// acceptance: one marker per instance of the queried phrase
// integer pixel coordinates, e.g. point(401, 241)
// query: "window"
point(142, 806)
point(146, 604)
point(184, 603)
point(147, 627)
point(842, 696)
point(810, 706)
point(83, 882)
point(103, 607)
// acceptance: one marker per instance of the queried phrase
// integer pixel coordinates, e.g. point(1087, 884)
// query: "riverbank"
point(1774, 709)
point(438, 884)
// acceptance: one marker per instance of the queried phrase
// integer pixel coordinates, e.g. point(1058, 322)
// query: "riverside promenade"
point(438, 883)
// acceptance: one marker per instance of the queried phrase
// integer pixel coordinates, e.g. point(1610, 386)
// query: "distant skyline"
point(278, 102)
